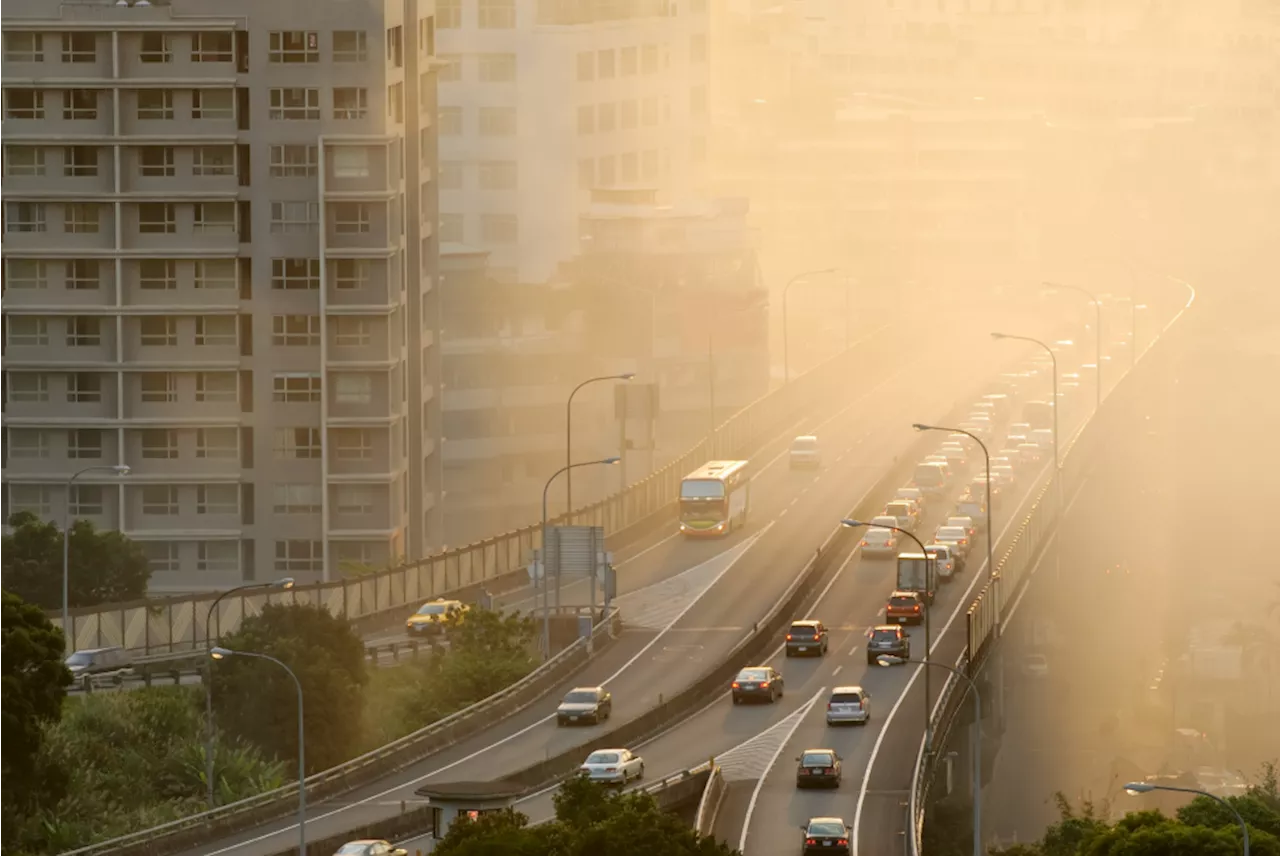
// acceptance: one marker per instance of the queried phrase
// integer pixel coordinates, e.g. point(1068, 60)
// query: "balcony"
point(217, 233)
point(181, 405)
point(195, 169)
point(64, 401)
point(55, 236)
point(363, 339)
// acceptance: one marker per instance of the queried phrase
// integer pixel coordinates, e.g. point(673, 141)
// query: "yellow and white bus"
point(714, 498)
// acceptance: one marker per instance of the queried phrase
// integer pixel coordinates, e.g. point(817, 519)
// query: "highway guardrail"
point(704, 822)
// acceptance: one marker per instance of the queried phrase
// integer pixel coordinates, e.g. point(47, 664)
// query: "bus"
point(714, 498)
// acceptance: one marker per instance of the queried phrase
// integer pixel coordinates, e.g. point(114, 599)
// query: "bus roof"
point(717, 470)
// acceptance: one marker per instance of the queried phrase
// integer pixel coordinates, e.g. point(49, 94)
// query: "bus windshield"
point(701, 489)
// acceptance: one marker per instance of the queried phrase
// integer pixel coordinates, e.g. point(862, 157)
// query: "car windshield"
point(602, 758)
point(804, 444)
point(825, 828)
point(352, 849)
point(580, 697)
point(804, 630)
point(753, 675)
point(701, 489)
point(432, 609)
point(817, 759)
point(879, 535)
point(80, 658)
point(885, 636)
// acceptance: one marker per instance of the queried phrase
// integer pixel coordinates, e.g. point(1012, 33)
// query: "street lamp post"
point(568, 431)
point(991, 527)
point(1097, 332)
point(222, 654)
point(786, 339)
point(1057, 459)
point(977, 739)
point(928, 723)
point(546, 606)
point(285, 583)
point(1135, 788)
point(118, 469)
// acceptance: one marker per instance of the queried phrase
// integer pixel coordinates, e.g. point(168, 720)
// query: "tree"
point(105, 567)
point(257, 701)
point(34, 682)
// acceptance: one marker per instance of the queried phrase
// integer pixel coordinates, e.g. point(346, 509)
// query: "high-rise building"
point(219, 270)
point(542, 101)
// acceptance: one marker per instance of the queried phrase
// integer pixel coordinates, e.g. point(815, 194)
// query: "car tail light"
point(734, 685)
point(788, 637)
point(843, 842)
point(764, 685)
point(915, 608)
point(864, 544)
point(809, 842)
point(611, 769)
point(828, 705)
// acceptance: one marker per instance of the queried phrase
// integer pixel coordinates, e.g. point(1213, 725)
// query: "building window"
point(81, 218)
point(30, 497)
point(23, 47)
point(157, 218)
point(449, 121)
point(296, 499)
point(350, 102)
point(162, 556)
point(159, 387)
point(293, 161)
point(24, 217)
point(84, 331)
point(586, 173)
point(649, 112)
point(155, 161)
point(159, 443)
point(217, 499)
point(159, 330)
point(84, 388)
point(450, 177)
point(629, 61)
point(79, 161)
point(295, 103)
point(295, 557)
point(395, 103)
point(213, 160)
point(351, 274)
point(586, 119)
point(157, 274)
point(155, 103)
point(28, 444)
point(351, 162)
point(83, 275)
point(84, 444)
point(27, 387)
point(630, 114)
point(80, 104)
point(79, 47)
point(160, 500)
point(497, 14)
point(352, 218)
point(297, 443)
point(497, 67)
point(216, 386)
point(448, 14)
point(586, 66)
point(352, 331)
point(211, 47)
point(217, 443)
point(213, 104)
point(294, 218)
point(297, 387)
point(23, 160)
point(26, 274)
point(214, 217)
point(497, 121)
point(350, 46)
point(452, 229)
point(215, 273)
point(354, 499)
point(156, 47)
point(649, 59)
point(605, 68)
point(395, 46)
point(498, 175)
point(217, 556)
point(295, 330)
point(293, 46)
point(353, 389)
point(24, 104)
point(28, 331)
point(295, 274)
point(353, 444)
point(499, 229)
point(86, 500)
point(607, 117)
point(215, 330)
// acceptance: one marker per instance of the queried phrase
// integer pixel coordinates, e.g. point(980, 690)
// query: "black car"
point(818, 768)
point(583, 705)
point(888, 639)
point(807, 638)
point(826, 835)
point(762, 683)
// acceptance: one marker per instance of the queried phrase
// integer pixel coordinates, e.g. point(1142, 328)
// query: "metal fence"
point(176, 624)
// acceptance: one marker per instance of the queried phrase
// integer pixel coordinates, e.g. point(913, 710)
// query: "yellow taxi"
point(432, 616)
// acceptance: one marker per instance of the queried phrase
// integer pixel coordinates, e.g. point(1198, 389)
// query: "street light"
point(928, 724)
point(1097, 332)
point(991, 527)
point(222, 654)
point(887, 660)
point(786, 340)
point(117, 469)
point(1135, 788)
point(546, 606)
point(1057, 460)
point(568, 431)
point(285, 583)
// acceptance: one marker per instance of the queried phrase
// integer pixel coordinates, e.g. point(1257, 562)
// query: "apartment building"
point(219, 271)
point(543, 100)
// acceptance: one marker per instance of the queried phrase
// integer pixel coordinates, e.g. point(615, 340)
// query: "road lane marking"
point(853, 650)
point(836, 671)
point(755, 794)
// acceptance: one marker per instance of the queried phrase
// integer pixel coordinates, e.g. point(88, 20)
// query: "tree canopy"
point(590, 821)
point(256, 700)
point(105, 566)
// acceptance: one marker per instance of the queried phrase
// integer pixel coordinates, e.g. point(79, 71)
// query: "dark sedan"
point(761, 683)
point(818, 768)
point(826, 835)
point(888, 639)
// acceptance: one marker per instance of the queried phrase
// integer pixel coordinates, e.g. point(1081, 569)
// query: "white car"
point(1042, 437)
point(849, 704)
point(1036, 665)
point(964, 522)
point(370, 847)
point(903, 511)
point(805, 452)
point(1022, 429)
point(1013, 441)
point(879, 542)
point(943, 559)
point(1003, 474)
point(954, 453)
point(1031, 451)
point(956, 536)
point(1011, 457)
point(981, 429)
point(613, 766)
point(912, 494)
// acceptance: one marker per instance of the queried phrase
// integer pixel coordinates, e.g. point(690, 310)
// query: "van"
point(804, 452)
point(930, 477)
